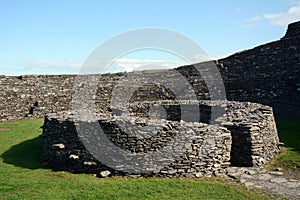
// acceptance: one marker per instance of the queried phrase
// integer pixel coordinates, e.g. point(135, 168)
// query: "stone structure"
point(33, 96)
point(267, 74)
point(245, 135)
point(293, 31)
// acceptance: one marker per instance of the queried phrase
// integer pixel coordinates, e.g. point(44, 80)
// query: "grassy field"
point(22, 176)
point(289, 134)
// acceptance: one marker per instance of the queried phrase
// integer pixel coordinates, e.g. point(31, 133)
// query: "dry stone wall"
point(252, 126)
point(33, 96)
point(267, 74)
point(241, 134)
point(245, 135)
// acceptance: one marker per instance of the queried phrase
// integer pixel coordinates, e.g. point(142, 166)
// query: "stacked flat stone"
point(267, 74)
point(209, 147)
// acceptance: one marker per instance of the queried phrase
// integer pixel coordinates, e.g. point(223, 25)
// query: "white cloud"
point(44, 66)
point(200, 58)
point(254, 19)
point(277, 19)
point(47, 66)
point(11, 71)
point(131, 64)
point(284, 18)
point(250, 22)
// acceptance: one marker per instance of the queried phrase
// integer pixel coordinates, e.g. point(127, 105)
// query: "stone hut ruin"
point(244, 136)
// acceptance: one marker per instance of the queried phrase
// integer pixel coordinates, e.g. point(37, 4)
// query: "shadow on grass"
point(26, 154)
point(289, 132)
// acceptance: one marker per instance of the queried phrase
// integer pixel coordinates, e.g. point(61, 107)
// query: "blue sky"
point(54, 37)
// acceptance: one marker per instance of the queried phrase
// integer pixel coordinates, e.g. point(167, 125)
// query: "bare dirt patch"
point(4, 129)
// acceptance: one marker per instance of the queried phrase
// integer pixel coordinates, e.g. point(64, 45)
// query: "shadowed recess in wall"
point(26, 154)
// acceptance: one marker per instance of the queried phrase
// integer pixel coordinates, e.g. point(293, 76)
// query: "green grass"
point(22, 176)
point(289, 134)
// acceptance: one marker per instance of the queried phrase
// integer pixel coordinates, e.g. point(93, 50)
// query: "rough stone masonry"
point(267, 74)
point(245, 135)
